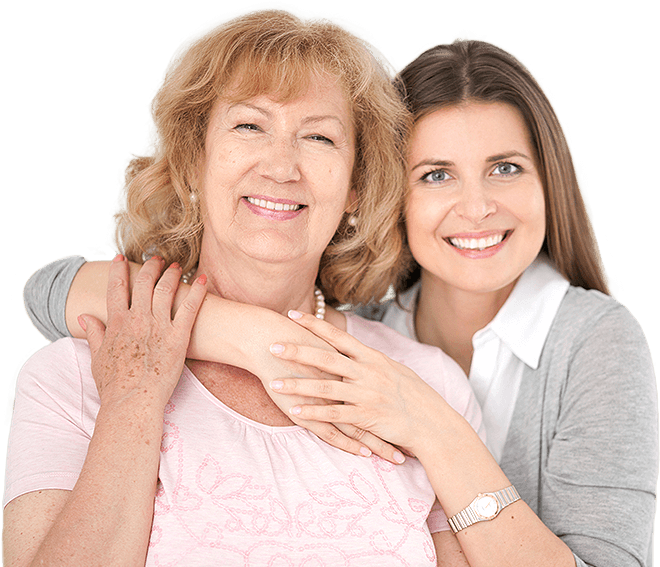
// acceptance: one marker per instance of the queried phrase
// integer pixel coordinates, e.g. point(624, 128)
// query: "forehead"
point(322, 96)
point(475, 128)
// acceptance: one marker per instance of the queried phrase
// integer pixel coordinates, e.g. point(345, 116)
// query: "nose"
point(474, 202)
point(281, 161)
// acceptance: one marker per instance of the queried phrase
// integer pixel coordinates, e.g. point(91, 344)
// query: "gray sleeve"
point(45, 296)
point(600, 476)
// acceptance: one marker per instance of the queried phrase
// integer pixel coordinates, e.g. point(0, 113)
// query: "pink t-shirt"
point(233, 491)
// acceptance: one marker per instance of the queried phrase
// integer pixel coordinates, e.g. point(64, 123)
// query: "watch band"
point(484, 507)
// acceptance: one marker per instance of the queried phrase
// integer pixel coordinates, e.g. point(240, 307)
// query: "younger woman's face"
point(476, 210)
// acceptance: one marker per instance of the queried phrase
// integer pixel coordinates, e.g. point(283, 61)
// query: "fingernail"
point(276, 385)
point(202, 279)
point(295, 410)
point(175, 265)
point(295, 314)
point(118, 258)
point(276, 348)
point(399, 458)
point(82, 323)
point(365, 452)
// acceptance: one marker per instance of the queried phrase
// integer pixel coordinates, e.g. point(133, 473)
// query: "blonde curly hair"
point(274, 52)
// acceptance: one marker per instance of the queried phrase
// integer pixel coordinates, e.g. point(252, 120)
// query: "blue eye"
point(506, 168)
point(436, 176)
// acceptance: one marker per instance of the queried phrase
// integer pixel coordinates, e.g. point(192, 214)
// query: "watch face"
point(486, 506)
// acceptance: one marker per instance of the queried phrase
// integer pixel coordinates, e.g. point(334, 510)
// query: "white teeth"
point(477, 244)
point(273, 206)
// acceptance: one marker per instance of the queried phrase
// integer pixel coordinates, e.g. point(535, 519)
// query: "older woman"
point(271, 132)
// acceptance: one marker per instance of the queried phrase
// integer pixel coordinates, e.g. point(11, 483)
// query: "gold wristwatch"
point(484, 507)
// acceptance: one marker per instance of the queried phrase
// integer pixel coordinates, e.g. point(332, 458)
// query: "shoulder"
point(597, 361)
point(590, 317)
point(588, 305)
point(60, 356)
point(59, 370)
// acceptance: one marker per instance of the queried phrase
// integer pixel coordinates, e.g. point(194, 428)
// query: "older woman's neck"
point(274, 287)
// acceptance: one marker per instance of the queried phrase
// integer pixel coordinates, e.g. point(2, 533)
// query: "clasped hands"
point(375, 393)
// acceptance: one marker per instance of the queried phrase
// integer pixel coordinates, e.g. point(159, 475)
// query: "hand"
point(343, 436)
point(376, 394)
point(142, 351)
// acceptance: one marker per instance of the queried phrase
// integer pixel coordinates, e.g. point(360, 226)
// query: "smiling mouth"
point(478, 244)
point(271, 205)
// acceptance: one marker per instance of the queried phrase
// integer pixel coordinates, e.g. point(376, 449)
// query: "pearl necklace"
point(319, 299)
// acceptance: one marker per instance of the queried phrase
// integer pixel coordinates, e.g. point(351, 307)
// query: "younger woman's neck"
point(448, 317)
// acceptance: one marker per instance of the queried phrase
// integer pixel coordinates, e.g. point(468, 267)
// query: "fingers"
point(152, 292)
point(118, 289)
point(353, 440)
point(187, 312)
point(164, 292)
point(311, 387)
point(145, 281)
point(342, 417)
point(330, 433)
point(375, 444)
point(335, 337)
point(325, 360)
point(340, 413)
point(94, 331)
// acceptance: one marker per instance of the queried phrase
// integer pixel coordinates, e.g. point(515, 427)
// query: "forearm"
point(225, 331)
point(459, 467)
point(107, 517)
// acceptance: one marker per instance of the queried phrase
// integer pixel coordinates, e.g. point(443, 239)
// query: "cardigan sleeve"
point(599, 478)
point(45, 296)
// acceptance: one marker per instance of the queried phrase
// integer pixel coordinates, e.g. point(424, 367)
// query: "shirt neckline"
point(272, 429)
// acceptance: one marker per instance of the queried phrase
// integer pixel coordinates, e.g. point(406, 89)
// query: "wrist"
point(459, 465)
point(438, 429)
point(146, 406)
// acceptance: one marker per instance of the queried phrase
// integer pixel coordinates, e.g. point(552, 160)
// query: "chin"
point(272, 244)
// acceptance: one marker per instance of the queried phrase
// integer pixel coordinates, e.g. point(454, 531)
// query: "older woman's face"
point(276, 176)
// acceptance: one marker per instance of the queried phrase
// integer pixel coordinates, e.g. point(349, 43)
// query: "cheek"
point(536, 213)
point(424, 216)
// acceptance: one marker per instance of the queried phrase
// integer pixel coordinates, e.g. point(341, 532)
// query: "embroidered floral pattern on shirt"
point(280, 509)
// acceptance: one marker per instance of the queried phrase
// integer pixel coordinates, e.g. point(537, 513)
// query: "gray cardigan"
point(582, 447)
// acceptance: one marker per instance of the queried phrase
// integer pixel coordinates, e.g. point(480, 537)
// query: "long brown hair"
point(477, 71)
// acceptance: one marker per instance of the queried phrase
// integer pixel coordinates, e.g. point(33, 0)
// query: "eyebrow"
point(306, 121)
point(490, 159)
point(507, 155)
point(251, 107)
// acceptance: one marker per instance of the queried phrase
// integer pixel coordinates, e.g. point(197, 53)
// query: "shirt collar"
point(524, 321)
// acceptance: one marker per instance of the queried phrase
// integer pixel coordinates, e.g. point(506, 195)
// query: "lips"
point(274, 205)
point(273, 209)
point(477, 243)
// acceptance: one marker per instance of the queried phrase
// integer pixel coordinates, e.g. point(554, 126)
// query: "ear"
point(351, 202)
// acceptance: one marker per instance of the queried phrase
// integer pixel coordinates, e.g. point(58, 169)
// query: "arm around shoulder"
point(599, 479)
point(45, 296)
